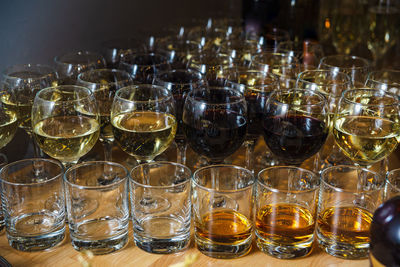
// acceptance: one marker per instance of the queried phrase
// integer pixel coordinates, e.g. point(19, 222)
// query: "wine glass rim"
point(158, 78)
point(338, 189)
point(140, 166)
point(276, 190)
point(88, 163)
point(389, 178)
point(250, 183)
point(48, 71)
point(128, 88)
point(391, 71)
point(70, 88)
point(94, 57)
point(342, 74)
point(82, 75)
point(48, 160)
point(124, 60)
point(322, 98)
point(361, 59)
point(202, 100)
point(373, 92)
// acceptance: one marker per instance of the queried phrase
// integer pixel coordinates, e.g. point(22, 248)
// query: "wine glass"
point(8, 126)
point(308, 53)
point(331, 84)
point(348, 24)
point(143, 120)
point(143, 65)
point(387, 80)
point(69, 65)
point(104, 83)
point(295, 124)
point(66, 122)
point(366, 125)
point(285, 66)
point(356, 67)
point(256, 86)
point(383, 20)
point(180, 82)
point(21, 83)
point(215, 122)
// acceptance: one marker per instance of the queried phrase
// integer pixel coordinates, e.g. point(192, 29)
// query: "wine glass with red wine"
point(295, 124)
point(215, 122)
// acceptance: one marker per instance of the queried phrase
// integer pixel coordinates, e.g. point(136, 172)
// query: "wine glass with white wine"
point(66, 122)
point(20, 85)
point(143, 120)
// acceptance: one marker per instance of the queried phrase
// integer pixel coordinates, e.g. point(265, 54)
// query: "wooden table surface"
point(65, 255)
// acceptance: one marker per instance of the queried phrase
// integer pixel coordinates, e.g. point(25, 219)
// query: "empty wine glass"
point(65, 121)
point(180, 82)
point(308, 53)
point(387, 80)
point(215, 122)
point(143, 65)
point(356, 67)
point(69, 65)
point(143, 120)
point(21, 83)
point(295, 124)
point(104, 83)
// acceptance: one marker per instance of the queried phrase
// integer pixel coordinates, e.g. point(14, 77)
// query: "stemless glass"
point(356, 67)
point(143, 66)
point(387, 80)
point(3, 162)
point(104, 83)
point(69, 65)
point(392, 186)
point(296, 124)
point(331, 84)
point(215, 122)
point(33, 203)
point(345, 209)
point(308, 53)
point(21, 83)
point(366, 125)
point(143, 120)
point(180, 82)
point(65, 122)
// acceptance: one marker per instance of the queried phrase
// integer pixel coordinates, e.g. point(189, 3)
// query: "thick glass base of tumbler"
point(36, 243)
point(343, 250)
point(284, 251)
point(223, 251)
point(162, 245)
point(99, 247)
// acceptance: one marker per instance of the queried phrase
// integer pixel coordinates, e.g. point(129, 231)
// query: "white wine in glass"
point(143, 120)
point(66, 122)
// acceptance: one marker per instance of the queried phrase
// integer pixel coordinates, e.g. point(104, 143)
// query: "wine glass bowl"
point(69, 65)
point(65, 121)
point(295, 124)
point(143, 120)
point(215, 121)
point(387, 80)
point(366, 125)
point(143, 66)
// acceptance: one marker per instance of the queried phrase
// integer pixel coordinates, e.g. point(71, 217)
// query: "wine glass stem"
point(250, 144)
point(181, 152)
point(107, 146)
point(37, 152)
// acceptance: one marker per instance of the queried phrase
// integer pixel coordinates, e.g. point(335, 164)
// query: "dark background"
point(34, 31)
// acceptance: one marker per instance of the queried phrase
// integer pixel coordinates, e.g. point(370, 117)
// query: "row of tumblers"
point(283, 205)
